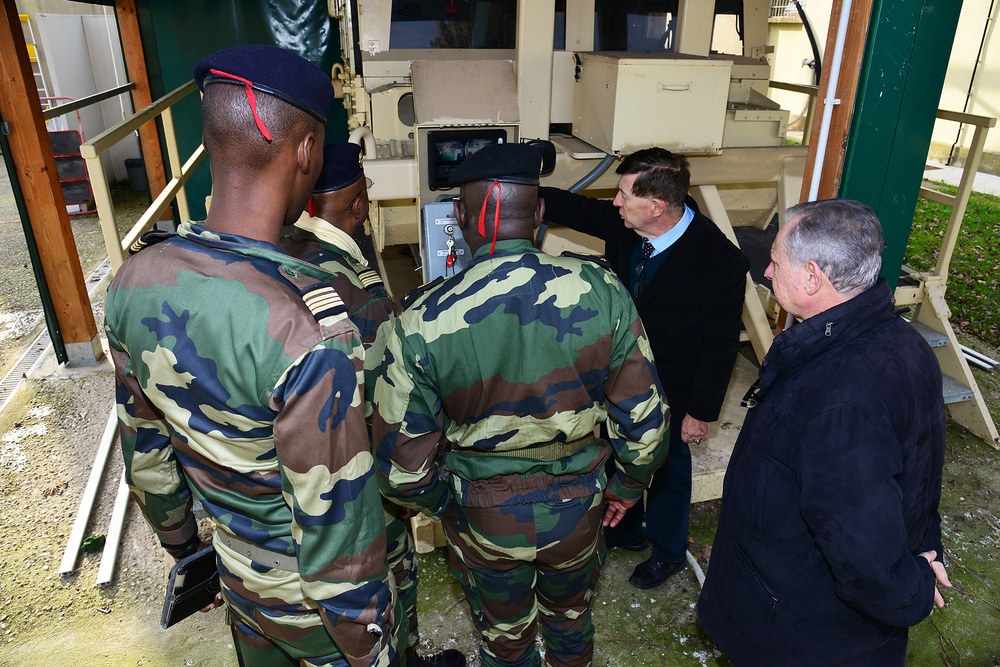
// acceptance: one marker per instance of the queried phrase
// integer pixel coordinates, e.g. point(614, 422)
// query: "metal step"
point(955, 392)
point(933, 338)
point(952, 390)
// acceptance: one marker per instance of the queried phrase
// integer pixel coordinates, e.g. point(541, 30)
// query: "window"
point(453, 24)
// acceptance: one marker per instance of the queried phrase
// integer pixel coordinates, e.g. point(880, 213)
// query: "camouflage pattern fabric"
point(519, 564)
point(519, 350)
point(368, 305)
point(239, 381)
point(361, 288)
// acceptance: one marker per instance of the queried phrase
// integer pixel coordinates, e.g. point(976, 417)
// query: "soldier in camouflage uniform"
point(239, 383)
point(327, 239)
point(494, 381)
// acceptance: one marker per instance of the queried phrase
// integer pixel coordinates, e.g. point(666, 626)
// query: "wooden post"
point(36, 174)
point(142, 97)
point(847, 88)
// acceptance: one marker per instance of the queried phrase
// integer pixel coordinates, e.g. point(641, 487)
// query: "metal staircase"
point(924, 292)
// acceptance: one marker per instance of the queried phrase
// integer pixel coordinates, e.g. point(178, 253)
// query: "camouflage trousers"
point(526, 568)
point(400, 557)
point(270, 624)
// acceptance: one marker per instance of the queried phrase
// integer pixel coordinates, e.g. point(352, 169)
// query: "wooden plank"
point(36, 174)
point(847, 88)
point(142, 96)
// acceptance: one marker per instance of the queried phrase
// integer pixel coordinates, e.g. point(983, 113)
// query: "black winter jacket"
point(831, 493)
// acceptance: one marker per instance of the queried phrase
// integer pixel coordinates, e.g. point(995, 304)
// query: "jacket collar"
point(802, 343)
point(291, 267)
point(506, 247)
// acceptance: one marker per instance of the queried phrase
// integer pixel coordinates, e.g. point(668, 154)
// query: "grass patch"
point(974, 274)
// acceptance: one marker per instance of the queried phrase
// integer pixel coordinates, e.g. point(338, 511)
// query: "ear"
point(459, 207)
point(814, 277)
point(304, 153)
point(539, 212)
point(355, 207)
point(658, 207)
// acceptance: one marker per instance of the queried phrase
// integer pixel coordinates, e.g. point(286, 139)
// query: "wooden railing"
point(93, 149)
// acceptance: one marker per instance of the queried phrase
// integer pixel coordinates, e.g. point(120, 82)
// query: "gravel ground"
point(50, 433)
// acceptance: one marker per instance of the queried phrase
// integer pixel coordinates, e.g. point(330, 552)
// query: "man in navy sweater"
point(688, 282)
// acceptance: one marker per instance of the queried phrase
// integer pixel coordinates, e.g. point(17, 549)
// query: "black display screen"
point(446, 149)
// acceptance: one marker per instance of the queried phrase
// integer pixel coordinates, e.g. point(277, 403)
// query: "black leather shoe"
point(637, 544)
point(652, 573)
point(447, 658)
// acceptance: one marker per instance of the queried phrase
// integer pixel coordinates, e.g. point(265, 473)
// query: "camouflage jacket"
point(361, 288)
point(239, 379)
point(518, 350)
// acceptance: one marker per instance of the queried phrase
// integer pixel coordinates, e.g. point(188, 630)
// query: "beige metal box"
point(626, 101)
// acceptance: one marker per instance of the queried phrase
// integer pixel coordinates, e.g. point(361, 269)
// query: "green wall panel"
point(177, 34)
point(906, 58)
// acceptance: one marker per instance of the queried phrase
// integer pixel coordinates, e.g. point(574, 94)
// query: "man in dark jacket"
point(688, 282)
point(829, 539)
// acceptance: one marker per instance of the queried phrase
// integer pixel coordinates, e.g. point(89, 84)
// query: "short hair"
point(230, 131)
point(517, 201)
point(662, 175)
point(843, 237)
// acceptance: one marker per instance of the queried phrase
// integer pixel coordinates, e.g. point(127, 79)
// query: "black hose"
point(818, 68)
point(594, 174)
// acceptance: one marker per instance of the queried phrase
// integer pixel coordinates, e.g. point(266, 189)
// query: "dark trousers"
point(668, 505)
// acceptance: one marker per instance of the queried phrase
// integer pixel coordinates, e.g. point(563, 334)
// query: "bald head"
point(520, 211)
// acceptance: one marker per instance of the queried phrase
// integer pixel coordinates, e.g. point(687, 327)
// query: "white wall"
point(84, 57)
point(985, 86)
point(791, 48)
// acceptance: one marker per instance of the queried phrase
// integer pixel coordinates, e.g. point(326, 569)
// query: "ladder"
point(925, 292)
point(36, 66)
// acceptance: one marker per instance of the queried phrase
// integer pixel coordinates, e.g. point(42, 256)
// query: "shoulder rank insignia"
point(588, 258)
point(415, 294)
point(370, 278)
point(323, 302)
point(148, 239)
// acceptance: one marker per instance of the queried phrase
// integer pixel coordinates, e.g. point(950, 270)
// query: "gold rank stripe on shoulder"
point(323, 301)
point(370, 278)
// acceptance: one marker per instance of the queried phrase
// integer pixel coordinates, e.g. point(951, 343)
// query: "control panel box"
point(623, 102)
point(443, 250)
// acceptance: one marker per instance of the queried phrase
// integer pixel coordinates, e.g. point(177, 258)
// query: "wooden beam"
point(142, 97)
point(847, 88)
point(43, 198)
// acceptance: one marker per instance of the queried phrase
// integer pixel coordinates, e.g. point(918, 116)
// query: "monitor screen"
point(446, 149)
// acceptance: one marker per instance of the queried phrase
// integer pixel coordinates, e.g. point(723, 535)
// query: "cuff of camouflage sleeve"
point(183, 541)
point(625, 489)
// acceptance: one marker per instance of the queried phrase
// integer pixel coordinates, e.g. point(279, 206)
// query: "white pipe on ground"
point(89, 494)
point(110, 554)
point(969, 352)
point(699, 575)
